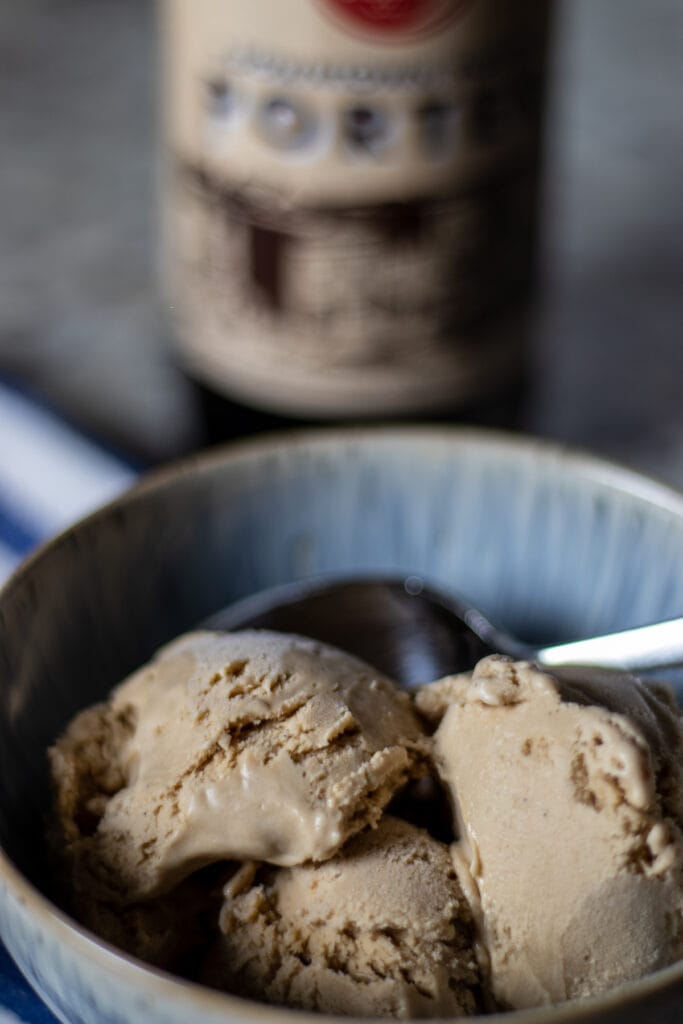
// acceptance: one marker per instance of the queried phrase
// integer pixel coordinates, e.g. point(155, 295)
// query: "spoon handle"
point(639, 649)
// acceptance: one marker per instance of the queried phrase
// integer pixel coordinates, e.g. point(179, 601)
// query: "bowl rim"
point(85, 944)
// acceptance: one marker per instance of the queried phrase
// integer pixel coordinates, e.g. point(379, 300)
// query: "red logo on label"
point(396, 17)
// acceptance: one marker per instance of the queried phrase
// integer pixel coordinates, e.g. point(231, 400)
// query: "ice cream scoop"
point(380, 930)
point(568, 791)
point(250, 745)
point(413, 631)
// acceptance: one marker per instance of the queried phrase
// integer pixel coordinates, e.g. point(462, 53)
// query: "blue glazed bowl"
point(550, 544)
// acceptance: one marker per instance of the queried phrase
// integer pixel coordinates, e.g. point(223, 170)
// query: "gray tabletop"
point(78, 301)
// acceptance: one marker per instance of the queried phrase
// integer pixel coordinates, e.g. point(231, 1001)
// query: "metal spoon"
point(414, 632)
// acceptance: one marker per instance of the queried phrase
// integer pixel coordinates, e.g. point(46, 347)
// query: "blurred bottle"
point(350, 204)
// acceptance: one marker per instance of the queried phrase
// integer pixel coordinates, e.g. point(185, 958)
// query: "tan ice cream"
point(381, 930)
point(569, 791)
point(231, 749)
point(251, 745)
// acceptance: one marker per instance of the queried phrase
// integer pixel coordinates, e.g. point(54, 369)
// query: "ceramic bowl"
point(550, 544)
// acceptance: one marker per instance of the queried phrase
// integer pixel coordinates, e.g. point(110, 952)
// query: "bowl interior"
point(549, 545)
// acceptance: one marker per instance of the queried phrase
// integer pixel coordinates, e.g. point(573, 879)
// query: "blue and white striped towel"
point(50, 475)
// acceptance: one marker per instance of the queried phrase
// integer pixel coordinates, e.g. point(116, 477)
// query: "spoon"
point(414, 632)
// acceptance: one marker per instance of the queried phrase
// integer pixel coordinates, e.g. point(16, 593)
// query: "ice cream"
point(380, 930)
point(236, 812)
point(250, 745)
point(568, 790)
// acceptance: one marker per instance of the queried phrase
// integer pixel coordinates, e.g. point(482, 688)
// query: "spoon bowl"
point(402, 627)
point(414, 632)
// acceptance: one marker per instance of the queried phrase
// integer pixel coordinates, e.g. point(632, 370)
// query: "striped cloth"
point(50, 475)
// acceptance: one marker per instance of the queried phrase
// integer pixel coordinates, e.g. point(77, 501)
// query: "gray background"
point(78, 304)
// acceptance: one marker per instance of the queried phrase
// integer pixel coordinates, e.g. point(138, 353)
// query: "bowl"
point(550, 544)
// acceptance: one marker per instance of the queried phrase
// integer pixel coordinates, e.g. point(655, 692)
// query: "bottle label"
point(351, 196)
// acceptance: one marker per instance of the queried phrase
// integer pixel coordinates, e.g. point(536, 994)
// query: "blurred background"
point(81, 322)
